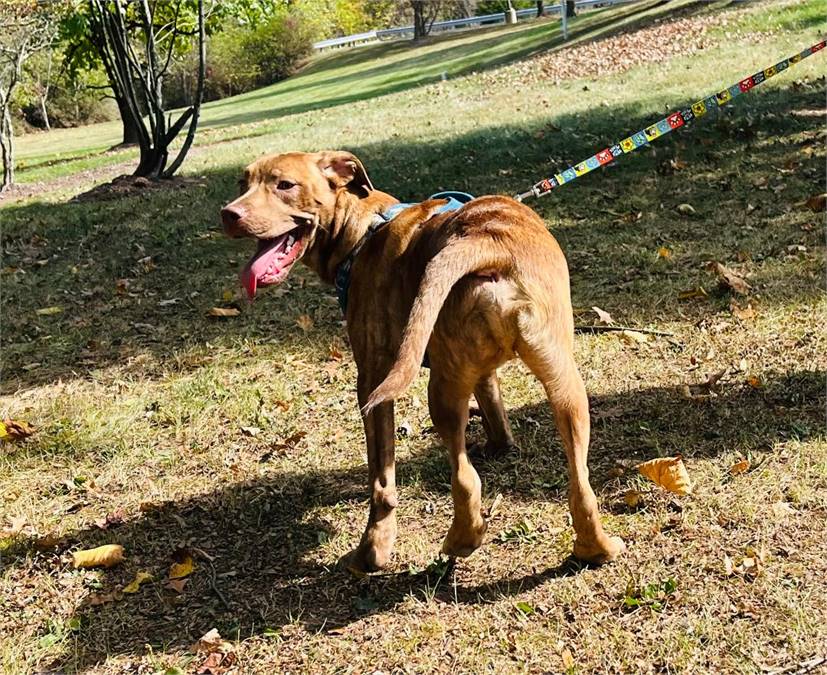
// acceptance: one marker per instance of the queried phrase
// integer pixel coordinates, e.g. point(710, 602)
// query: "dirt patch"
point(127, 186)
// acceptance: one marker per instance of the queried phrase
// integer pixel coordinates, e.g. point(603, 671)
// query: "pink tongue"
point(259, 264)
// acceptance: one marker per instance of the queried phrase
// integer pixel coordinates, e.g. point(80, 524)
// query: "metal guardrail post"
point(564, 18)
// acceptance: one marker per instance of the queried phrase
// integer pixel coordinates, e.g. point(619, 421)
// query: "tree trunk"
point(131, 136)
point(541, 8)
point(419, 18)
point(570, 8)
point(6, 147)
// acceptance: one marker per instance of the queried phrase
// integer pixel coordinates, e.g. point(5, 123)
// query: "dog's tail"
point(458, 258)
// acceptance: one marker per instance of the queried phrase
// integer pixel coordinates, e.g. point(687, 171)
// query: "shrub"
point(241, 58)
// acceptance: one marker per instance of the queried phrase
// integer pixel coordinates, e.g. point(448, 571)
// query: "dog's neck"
point(334, 240)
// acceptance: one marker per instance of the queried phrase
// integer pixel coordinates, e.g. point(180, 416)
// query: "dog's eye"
point(242, 186)
point(285, 185)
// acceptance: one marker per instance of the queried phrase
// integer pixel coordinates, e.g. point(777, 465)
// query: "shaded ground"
point(240, 438)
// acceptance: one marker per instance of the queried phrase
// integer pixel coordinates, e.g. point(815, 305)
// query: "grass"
point(146, 409)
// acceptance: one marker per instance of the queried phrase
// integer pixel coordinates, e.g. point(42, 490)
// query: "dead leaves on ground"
point(220, 654)
point(107, 555)
point(134, 586)
point(223, 312)
point(728, 279)
point(14, 430)
point(668, 472)
point(183, 564)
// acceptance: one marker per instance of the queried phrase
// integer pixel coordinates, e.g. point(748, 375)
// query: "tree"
point(425, 13)
point(136, 42)
point(25, 28)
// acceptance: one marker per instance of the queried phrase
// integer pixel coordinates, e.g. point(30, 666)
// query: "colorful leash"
point(669, 123)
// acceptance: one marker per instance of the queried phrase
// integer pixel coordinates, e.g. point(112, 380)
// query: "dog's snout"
point(231, 215)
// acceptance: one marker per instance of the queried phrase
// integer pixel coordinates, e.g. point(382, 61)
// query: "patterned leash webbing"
point(669, 123)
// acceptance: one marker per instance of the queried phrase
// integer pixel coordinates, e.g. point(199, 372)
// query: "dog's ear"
point(343, 169)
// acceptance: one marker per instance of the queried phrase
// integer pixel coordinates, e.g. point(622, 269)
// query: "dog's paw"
point(601, 552)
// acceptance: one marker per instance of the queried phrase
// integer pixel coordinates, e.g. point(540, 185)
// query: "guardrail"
point(454, 24)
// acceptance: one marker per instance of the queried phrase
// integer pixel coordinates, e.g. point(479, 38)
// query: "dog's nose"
point(230, 215)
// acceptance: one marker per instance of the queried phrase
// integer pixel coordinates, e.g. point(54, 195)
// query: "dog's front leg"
point(374, 550)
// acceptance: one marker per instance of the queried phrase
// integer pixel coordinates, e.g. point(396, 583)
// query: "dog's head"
point(284, 200)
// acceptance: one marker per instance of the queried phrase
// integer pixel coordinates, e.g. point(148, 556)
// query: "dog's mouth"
point(273, 260)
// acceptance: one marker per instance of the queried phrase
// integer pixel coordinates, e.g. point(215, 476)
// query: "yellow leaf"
point(108, 555)
point(669, 473)
point(14, 430)
point(227, 296)
point(664, 252)
point(183, 565)
point(739, 467)
point(223, 312)
point(47, 311)
point(633, 337)
point(697, 292)
point(633, 498)
point(140, 578)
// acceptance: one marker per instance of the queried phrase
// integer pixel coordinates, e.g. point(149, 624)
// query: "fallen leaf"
point(669, 473)
point(107, 555)
point(633, 337)
point(223, 312)
point(176, 585)
point(739, 467)
point(729, 567)
point(16, 527)
point(227, 296)
point(603, 316)
point(305, 322)
point(134, 586)
point(250, 431)
point(697, 292)
point(633, 498)
point(664, 253)
point(743, 313)
point(48, 311)
point(686, 209)
point(729, 279)
point(755, 382)
point(183, 564)
point(211, 641)
point(14, 430)
point(102, 598)
point(817, 203)
point(110, 519)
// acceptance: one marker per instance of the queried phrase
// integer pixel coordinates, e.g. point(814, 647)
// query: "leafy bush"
point(242, 58)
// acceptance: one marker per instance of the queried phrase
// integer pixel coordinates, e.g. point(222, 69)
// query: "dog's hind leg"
point(374, 550)
point(448, 402)
point(550, 359)
point(494, 418)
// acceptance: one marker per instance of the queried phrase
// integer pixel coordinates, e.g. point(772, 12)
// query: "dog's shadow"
point(258, 545)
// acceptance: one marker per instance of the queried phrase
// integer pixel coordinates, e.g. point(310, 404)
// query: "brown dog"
point(476, 287)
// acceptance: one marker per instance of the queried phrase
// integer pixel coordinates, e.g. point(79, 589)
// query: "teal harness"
point(342, 281)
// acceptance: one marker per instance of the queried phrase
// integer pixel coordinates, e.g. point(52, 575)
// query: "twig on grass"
point(612, 329)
